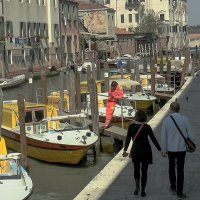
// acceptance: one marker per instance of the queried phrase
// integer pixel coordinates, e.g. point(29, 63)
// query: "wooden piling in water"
point(78, 92)
point(89, 75)
point(1, 108)
point(30, 86)
point(106, 76)
point(185, 65)
point(152, 68)
point(21, 108)
point(161, 61)
point(145, 64)
point(43, 87)
point(61, 86)
point(98, 70)
point(72, 105)
point(94, 110)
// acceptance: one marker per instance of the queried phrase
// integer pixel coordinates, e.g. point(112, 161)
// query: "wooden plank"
point(113, 131)
point(164, 95)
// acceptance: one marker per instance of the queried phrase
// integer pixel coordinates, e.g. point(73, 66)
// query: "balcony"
point(132, 4)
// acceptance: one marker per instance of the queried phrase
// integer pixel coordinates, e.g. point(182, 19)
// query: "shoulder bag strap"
point(178, 128)
point(138, 132)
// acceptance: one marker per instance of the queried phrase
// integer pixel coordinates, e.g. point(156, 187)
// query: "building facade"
point(126, 13)
point(31, 33)
point(172, 18)
point(173, 21)
point(99, 20)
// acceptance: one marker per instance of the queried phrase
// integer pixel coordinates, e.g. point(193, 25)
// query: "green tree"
point(148, 21)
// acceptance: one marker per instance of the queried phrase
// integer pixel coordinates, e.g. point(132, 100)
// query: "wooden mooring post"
point(30, 86)
point(1, 108)
point(21, 108)
point(61, 86)
point(94, 110)
point(72, 104)
point(106, 76)
point(78, 92)
point(43, 87)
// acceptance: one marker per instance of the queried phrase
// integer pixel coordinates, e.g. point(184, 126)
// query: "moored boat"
point(136, 94)
point(15, 182)
point(52, 138)
point(11, 82)
point(124, 111)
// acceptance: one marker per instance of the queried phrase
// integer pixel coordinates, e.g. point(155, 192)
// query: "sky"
point(194, 12)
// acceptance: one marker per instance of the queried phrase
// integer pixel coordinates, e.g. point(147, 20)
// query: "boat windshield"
point(124, 102)
point(9, 168)
point(74, 123)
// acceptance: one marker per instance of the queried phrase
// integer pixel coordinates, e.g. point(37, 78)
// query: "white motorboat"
point(11, 82)
point(123, 109)
point(15, 182)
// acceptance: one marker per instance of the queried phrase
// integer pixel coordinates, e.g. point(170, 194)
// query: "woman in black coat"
point(141, 152)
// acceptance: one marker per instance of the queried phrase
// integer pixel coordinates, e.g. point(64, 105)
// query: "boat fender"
point(88, 134)
point(59, 137)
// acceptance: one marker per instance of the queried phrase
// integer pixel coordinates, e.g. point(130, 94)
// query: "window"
point(28, 117)
point(10, 60)
point(130, 18)
point(122, 18)
point(28, 1)
point(136, 18)
point(45, 54)
point(162, 17)
point(45, 30)
point(57, 51)
point(20, 1)
point(39, 115)
point(43, 2)
point(22, 29)
point(9, 28)
point(56, 30)
point(55, 3)
point(38, 2)
point(29, 29)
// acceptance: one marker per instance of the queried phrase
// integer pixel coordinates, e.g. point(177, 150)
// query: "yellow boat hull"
point(71, 157)
point(143, 105)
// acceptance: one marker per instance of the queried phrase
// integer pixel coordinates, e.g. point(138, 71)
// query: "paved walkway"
point(116, 182)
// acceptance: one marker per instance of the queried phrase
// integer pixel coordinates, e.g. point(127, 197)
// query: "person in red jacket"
point(114, 94)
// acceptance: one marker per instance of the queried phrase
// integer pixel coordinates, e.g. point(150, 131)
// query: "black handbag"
point(190, 146)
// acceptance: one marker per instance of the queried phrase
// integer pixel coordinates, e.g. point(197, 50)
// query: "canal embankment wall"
point(101, 185)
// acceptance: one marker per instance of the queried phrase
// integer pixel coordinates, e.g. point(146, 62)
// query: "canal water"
point(56, 181)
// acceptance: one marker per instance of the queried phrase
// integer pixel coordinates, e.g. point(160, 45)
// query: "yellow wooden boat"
point(54, 97)
point(51, 140)
point(135, 93)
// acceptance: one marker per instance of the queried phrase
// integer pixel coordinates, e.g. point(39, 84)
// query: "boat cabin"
point(34, 116)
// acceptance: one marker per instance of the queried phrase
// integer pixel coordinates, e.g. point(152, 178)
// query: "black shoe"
point(143, 194)
point(183, 196)
point(172, 191)
point(136, 192)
